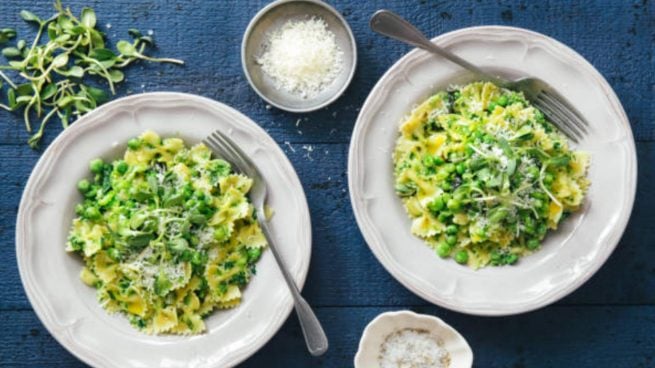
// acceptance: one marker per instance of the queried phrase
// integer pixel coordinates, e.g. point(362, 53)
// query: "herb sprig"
point(54, 74)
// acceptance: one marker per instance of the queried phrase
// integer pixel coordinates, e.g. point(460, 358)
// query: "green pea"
point(542, 229)
point(451, 240)
point(96, 165)
point(451, 229)
point(187, 255)
point(549, 178)
point(454, 204)
point(436, 205)
point(178, 245)
point(79, 209)
point(538, 203)
point(221, 234)
point(446, 186)
point(533, 171)
point(254, 254)
point(114, 254)
point(512, 258)
point(197, 258)
point(133, 143)
point(532, 244)
point(198, 219)
point(443, 250)
point(444, 216)
point(491, 107)
point(461, 257)
point(122, 167)
point(460, 168)
point(502, 100)
point(83, 185)
point(92, 213)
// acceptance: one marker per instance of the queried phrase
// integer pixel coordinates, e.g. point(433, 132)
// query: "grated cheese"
point(411, 348)
point(302, 57)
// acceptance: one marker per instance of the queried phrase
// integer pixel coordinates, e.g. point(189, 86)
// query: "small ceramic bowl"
point(271, 18)
point(461, 355)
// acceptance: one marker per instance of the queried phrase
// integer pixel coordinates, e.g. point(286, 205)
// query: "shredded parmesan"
point(302, 57)
point(410, 348)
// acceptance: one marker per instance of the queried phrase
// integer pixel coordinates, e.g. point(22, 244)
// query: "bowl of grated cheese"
point(405, 339)
point(299, 55)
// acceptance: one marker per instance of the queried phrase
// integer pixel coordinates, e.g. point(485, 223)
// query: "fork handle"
point(315, 338)
point(390, 24)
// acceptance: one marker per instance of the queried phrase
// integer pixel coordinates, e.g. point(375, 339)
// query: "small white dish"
point(570, 255)
point(376, 332)
point(272, 17)
point(69, 309)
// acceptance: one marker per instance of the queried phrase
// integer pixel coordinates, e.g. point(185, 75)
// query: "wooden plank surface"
point(600, 336)
point(609, 319)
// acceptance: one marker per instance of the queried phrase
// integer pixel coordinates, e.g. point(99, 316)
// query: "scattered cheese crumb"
point(302, 57)
point(309, 149)
point(290, 147)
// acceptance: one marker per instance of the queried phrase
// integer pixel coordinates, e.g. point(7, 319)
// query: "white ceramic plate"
point(69, 309)
point(376, 332)
point(571, 255)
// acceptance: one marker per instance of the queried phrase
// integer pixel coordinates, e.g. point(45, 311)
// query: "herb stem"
point(4, 76)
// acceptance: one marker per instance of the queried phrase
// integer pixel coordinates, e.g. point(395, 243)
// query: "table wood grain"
point(609, 321)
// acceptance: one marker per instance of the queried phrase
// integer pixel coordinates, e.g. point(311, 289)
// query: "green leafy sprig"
point(54, 73)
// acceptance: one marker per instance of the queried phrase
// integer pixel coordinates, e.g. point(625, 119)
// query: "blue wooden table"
point(610, 321)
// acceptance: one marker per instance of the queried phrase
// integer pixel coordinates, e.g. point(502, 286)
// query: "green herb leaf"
point(48, 91)
point(134, 33)
point(24, 89)
point(11, 98)
point(6, 34)
point(116, 75)
point(59, 61)
point(75, 71)
point(98, 95)
point(125, 48)
point(102, 54)
point(28, 16)
point(11, 52)
point(88, 17)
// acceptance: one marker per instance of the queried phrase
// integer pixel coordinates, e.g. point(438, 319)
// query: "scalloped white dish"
point(570, 255)
point(376, 332)
point(68, 308)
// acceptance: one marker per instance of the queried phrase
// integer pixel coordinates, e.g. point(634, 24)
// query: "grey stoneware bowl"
point(271, 18)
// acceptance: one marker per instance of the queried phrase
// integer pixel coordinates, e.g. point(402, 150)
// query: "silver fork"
point(558, 110)
point(315, 338)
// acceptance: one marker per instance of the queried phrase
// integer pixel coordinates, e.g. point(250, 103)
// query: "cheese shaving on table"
point(302, 57)
point(409, 348)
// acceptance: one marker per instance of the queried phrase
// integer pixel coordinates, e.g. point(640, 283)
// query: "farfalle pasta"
point(167, 234)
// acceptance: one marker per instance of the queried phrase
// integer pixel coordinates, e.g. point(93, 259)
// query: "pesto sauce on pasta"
point(484, 176)
point(167, 234)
